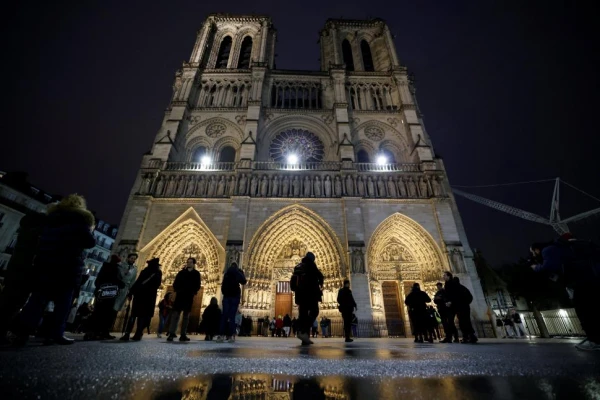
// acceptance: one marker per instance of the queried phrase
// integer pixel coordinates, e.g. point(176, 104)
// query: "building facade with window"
point(18, 197)
point(258, 165)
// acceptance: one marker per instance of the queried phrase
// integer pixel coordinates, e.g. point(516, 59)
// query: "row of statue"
point(254, 185)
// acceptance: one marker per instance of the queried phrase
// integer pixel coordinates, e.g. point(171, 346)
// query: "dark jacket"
point(211, 318)
point(440, 300)
point(287, 321)
point(457, 294)
point(233, 278)
point(60, 257)
point(187, 284)
point(346, 300)
point(577, 262)
point(417, 300)
point(20, 266)
point(312, 292)
point(144, 292)
point(108, 275)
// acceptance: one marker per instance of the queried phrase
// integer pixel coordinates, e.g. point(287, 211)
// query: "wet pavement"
point(279, 368)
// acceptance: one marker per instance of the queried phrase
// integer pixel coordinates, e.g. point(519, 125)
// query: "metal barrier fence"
point(563, 322)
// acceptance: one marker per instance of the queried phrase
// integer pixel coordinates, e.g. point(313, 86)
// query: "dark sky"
point(509, 92)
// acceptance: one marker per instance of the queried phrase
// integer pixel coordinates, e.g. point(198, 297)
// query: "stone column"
point(200, 46)
point(391, 47)
point(263, 40)
point(336, 46)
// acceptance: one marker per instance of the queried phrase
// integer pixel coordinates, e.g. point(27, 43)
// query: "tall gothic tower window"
point(347, 54)
point(227, 154)
point(198, 153)
point(362, 156)
point(366, 55)
point(245, 53)
point(224, 50)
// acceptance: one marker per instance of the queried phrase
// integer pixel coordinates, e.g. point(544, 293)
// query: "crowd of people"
point(46, 272)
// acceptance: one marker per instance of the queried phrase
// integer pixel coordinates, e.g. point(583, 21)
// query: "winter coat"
point(108, 275)
point(287, 321)
point(440, 301)
point(233, 278)
point(20, 265)
point(312, 292)
point(127, 274)
point(346, 300)
point(186, 285)
point(457, 294)
point(144, 292)
point(211, 318)
point(417, 300)
point(576, 262)
point(60, 257)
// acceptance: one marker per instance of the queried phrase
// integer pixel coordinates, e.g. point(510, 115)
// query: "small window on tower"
point(245, 53)
point(224, 50)
point(366, 55)
point(347, 54)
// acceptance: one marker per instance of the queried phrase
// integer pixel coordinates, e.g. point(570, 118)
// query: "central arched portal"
point(277, 246)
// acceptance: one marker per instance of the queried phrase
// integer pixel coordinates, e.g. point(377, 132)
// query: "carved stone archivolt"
point(401, 249)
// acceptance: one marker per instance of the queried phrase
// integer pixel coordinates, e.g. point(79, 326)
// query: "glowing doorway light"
point(292, 159)
point(381, 159)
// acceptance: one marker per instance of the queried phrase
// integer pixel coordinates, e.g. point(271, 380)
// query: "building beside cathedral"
point(259, 165)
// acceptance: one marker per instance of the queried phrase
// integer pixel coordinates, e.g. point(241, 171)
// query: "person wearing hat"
point(307, 283)
point(144, 299)
point(347, 305)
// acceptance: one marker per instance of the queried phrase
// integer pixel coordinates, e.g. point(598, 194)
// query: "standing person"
point(347, 306)
point(294, 326)
point(230, 288)
point(278, 326)
point(287, 325)
point(127, 274)
point(164, 310)
point(459, 300)
point(307, 282)
point(272, 327)
point(432, 323)
point(416, 301)
point(265, 326)
point(107, 288)
point(315, 329)
point(143, 292)
point(238, 323)
point(577, 264)
point(446, 314)
point(509, 325)
point(500, 328)
point(59, 265)
point(186, 285)
point(17, 282)
point(519, 328)
point(211, 317)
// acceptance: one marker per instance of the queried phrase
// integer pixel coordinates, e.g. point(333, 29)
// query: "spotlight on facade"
point(205, 160)
point(292, 159)
point(381, 159)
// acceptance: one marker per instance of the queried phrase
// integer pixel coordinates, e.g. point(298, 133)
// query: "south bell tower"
point(257, 165)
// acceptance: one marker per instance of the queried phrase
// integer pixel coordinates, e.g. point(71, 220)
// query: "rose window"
point(301, 143)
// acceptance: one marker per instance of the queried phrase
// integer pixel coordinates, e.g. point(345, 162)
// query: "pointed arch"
point(347, 55)
point(223, 54)
point(367, 57)
point(245, 53)
point(401, 247)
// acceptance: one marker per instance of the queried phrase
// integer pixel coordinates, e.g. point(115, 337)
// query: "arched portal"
point(400, 253)
point(186, 237)
point(277, 246)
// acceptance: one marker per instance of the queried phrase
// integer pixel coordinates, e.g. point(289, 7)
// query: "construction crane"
point(555, 221)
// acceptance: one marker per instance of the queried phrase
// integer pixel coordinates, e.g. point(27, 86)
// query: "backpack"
point(466, 295)
point(299, 279)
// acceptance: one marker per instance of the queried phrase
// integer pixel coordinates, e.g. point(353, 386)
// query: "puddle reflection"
point(259, 387)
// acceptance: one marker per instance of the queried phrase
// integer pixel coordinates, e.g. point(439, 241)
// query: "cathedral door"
point(391, 304)
point(195, 313)
point(283, 299)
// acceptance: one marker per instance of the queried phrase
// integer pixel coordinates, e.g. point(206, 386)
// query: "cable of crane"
point(579, 190)
point(503, 184)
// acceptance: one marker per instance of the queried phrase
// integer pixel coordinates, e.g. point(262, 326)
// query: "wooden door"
point(195, 314)
point(283, 299)
point(393, 313)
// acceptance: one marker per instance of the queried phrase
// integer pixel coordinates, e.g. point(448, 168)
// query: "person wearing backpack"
point(577, 264)
point(347, 306)
point(307, 283)
point(459, 300)
point(230, 287)
point(186, 285)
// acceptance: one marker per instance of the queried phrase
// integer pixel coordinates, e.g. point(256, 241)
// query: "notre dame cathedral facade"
point(259, 165)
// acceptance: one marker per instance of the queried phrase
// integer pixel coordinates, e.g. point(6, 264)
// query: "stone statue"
point(370, 187)
point(231, 186)
point(243, 185)
point(180, 186)
point(285, 187)
point(307, 186)
point(457, 261)
point(160, 186)
point(253, 185)
point(338, 186)
point(360, 186)
point(170, 186)
point(423, 187)
point(201, 187)
point(295, 186)
point(358, 265)
point(375, 295)
point(318, 186)
point(391, 187)
point(327, 185)
point(221, 187)
point(402, 187)
point(211, 186)
point(381, 187)
point(145, 188)
point(191, 186)
point(349, 185)
point(264, 186)
point(412, 187)
point(275, 186)
point(437, 188)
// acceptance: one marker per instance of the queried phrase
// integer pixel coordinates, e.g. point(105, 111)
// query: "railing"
point(190, 166)
point(558, 323)
point(374, 167)
point(305, 166)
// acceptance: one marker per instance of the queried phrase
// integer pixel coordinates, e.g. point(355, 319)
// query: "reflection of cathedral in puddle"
point(263, 387)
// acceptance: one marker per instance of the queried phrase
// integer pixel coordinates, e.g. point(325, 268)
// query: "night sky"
point(509, 92)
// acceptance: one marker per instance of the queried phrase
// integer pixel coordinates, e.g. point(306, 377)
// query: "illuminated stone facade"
point(260, 165)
